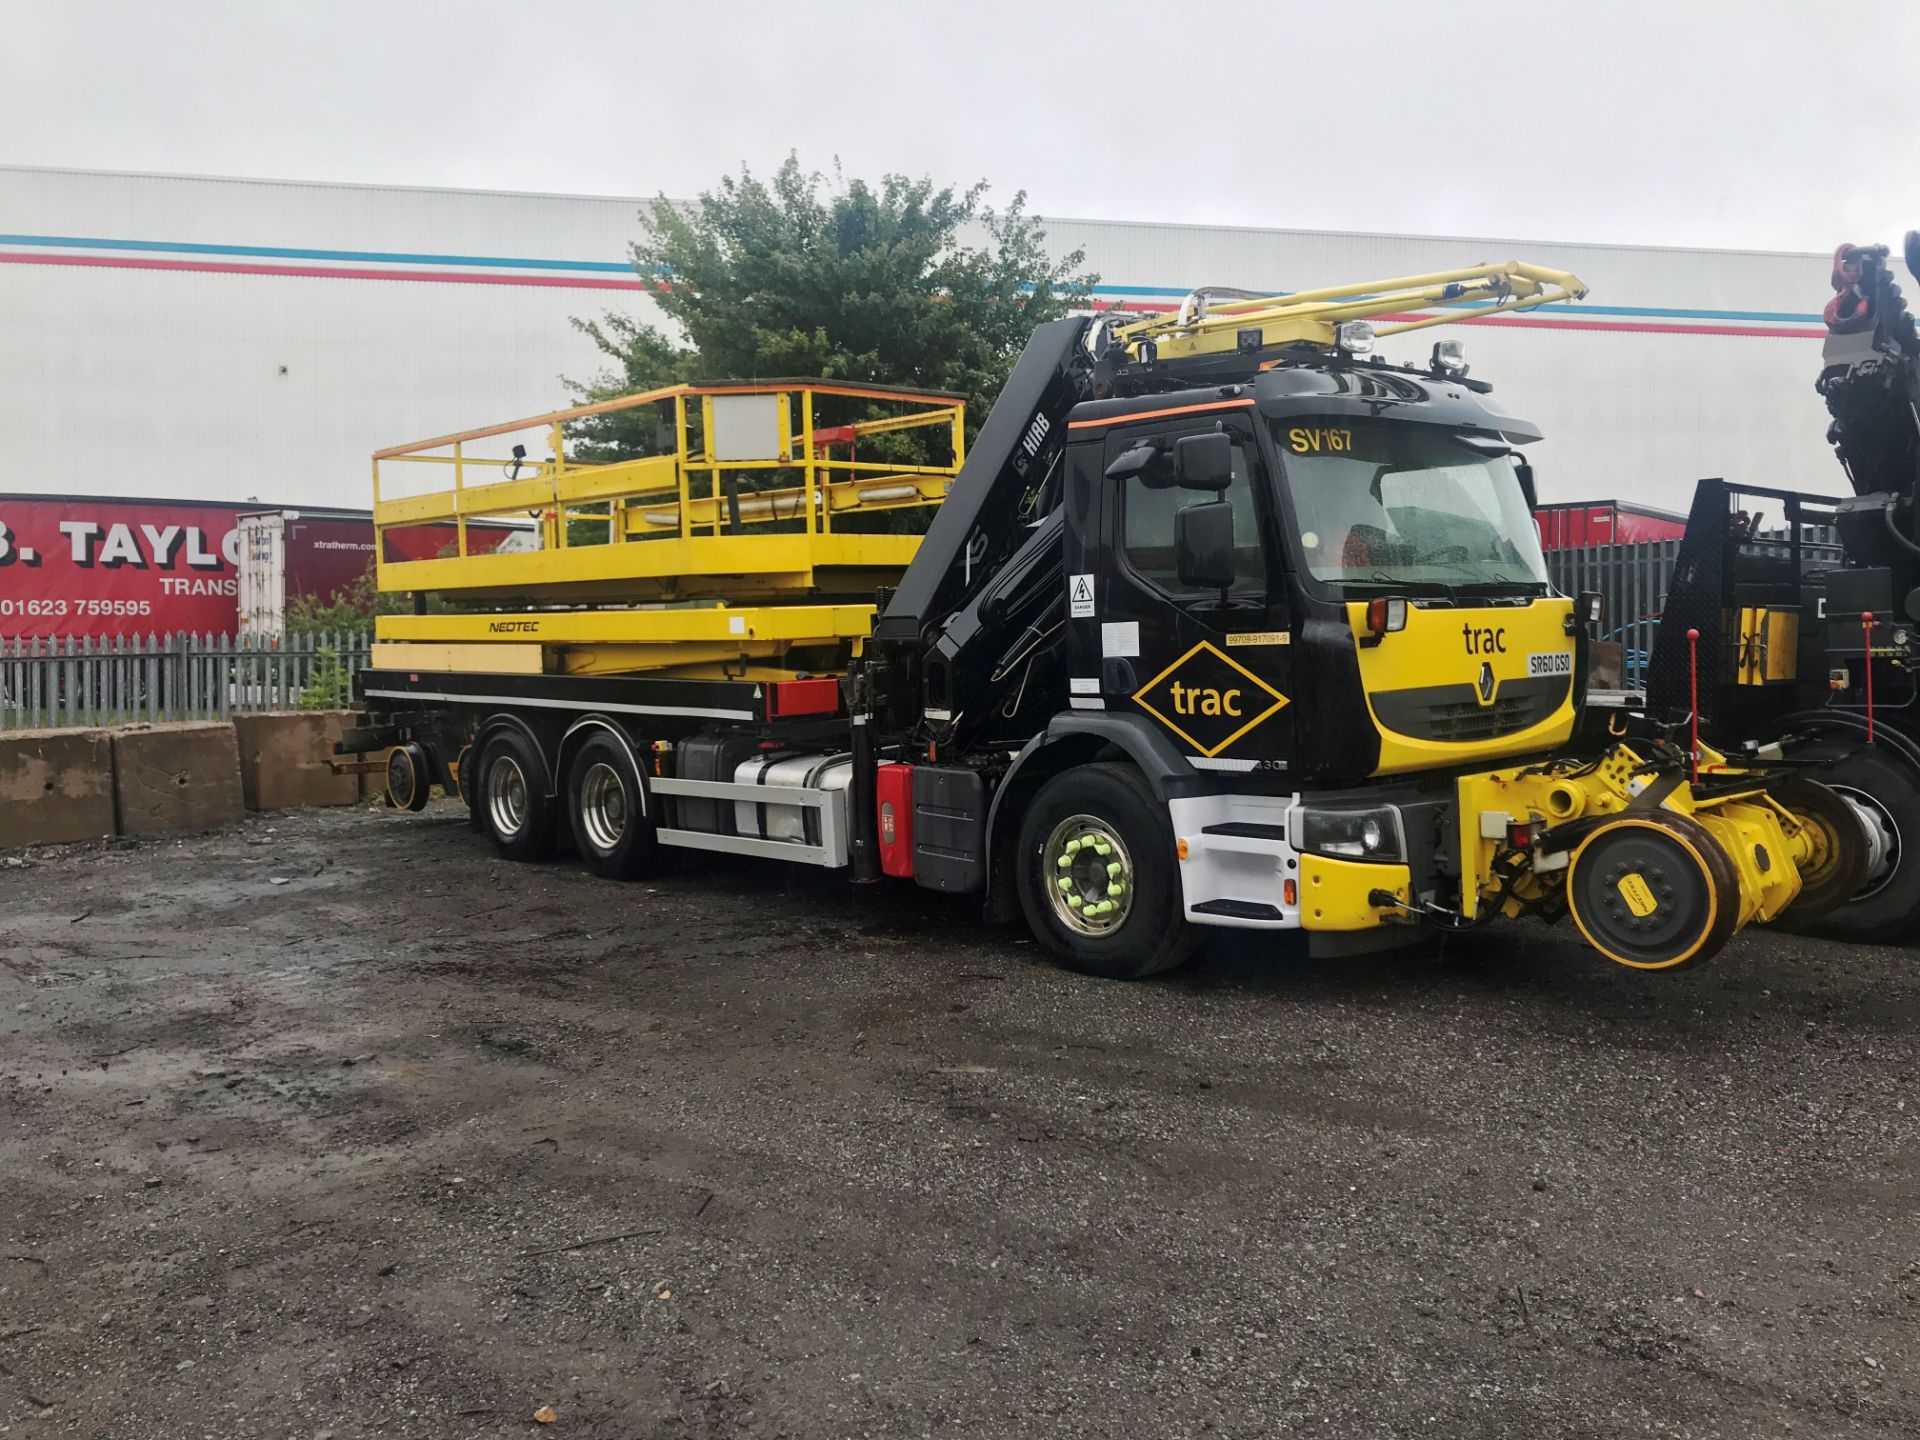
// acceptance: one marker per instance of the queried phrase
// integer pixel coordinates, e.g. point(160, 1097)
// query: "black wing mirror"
point(1203, 462)
point(1523, 472)
point(1203, 545)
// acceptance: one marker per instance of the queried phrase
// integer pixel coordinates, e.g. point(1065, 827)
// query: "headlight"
point(1350, 834)
point(1356, 336)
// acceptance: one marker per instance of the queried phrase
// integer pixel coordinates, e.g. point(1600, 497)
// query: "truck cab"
point(1312, 597)
point(1355, 543)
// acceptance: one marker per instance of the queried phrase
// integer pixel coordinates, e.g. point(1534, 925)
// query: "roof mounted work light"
point(1356, 337)
point(1450, 357)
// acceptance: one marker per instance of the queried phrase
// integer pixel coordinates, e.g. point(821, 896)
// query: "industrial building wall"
point(237, 339)
point(228, 340)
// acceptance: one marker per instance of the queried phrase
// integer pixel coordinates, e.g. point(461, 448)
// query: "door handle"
point(1116, 675)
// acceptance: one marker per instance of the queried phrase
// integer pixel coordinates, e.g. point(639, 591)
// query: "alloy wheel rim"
point(603, 806)
point(507, 796)
point(1872, 812)
point(1089, 875)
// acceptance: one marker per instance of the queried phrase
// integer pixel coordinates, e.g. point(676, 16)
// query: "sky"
point(1766, 124)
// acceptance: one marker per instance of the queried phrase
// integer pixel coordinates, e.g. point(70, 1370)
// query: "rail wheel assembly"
point(1841, 849)
point(409, 777)
point(1653, 891)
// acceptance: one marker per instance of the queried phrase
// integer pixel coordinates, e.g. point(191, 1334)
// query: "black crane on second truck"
point(1809, 658)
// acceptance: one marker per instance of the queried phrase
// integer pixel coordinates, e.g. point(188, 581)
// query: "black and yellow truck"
point(1222, 622)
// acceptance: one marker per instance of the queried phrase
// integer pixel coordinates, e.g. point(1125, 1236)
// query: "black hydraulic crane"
point(1797, 652)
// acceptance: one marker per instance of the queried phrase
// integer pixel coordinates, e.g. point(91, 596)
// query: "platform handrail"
point(717, 476)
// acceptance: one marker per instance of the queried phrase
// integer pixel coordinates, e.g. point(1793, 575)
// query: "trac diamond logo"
point(1208, 700)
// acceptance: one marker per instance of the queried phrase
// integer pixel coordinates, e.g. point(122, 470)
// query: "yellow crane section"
point(1204, 325)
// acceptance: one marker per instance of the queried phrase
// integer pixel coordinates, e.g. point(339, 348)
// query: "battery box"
point(949, 829)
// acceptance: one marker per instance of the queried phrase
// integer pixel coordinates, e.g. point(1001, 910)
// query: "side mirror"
point(1523, 472)
point(1203, 544)
point(1203, 462)
point(1590, 607)
point(1131, 462)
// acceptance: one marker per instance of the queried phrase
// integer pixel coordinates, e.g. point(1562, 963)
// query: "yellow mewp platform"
point(731, 535)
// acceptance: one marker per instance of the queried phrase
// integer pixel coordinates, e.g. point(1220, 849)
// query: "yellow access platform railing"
point(689, 492)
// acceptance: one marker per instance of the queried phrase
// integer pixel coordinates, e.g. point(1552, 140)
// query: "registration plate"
point(1557, 662)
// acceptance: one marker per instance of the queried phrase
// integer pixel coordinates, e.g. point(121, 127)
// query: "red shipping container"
point(1574, 525)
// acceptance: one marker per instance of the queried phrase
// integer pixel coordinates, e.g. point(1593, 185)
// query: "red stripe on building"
point(327, 272)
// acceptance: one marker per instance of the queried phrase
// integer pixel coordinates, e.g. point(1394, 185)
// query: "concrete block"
point(283, 760)
point(56, 786)
point(169, 778)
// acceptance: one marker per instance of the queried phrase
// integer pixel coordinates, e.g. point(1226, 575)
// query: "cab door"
point(1212, 667)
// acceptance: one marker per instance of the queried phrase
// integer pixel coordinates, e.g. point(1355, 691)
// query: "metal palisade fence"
point(53, 683)
point(1634, 579)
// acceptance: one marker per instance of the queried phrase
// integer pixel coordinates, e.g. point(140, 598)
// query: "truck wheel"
point(1885, 795)
point(514, 808)
point(1096, 875)
point(606, 808)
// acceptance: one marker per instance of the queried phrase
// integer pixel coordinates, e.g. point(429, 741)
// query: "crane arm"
point(1314, 317)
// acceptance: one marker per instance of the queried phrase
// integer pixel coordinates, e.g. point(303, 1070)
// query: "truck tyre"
point(1096, 875)
point(513, 803)
point(1887, 905)
point(606, 808)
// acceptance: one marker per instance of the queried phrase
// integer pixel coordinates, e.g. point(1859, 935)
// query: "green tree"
point(906, 283)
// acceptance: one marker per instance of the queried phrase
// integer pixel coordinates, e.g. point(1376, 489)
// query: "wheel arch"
point(1814, 726)
point(1076, 738)
point(507, 720)
point(581, 730)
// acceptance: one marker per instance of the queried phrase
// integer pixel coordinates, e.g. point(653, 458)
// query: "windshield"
point(1385, 503)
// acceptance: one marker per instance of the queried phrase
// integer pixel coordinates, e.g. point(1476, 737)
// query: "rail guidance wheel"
point(1096, 875)
point(607, 810)
point(514, 807)
point(1653, 891)
point(409, 777)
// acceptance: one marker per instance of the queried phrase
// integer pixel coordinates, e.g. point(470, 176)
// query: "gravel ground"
point(337, 1125)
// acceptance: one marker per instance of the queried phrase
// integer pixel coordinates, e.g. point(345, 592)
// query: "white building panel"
point(224, 339)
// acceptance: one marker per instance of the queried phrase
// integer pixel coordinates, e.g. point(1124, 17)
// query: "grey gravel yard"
point(337, 1125)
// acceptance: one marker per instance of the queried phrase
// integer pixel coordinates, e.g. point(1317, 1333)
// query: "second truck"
point(1222, 622)
point(1805, 609)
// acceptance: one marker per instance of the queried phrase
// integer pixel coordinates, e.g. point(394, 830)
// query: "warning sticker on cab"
point(1556, 662)
point(1080, 597)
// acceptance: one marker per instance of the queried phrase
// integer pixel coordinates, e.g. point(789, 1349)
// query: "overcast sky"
point(1769, 124)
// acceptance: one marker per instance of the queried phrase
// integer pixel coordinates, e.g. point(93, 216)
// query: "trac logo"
point(1484, 639)
point(1208, 700)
